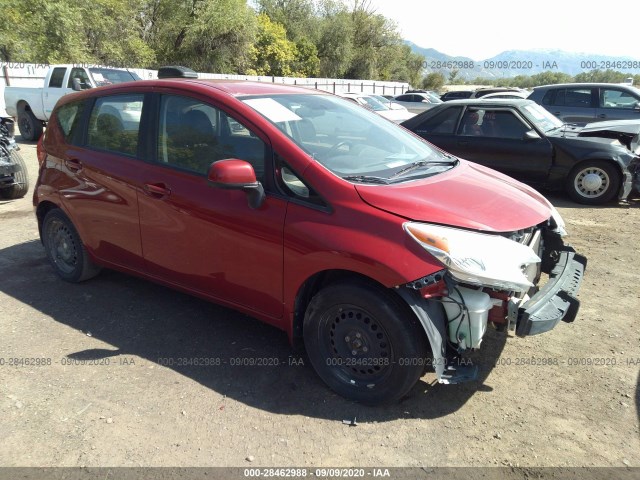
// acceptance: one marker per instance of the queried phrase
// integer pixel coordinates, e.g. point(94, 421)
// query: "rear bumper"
point(556, 300)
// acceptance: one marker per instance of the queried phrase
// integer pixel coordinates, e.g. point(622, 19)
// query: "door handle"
point(157, 190)
point(73, 164)
point(463, 143)
point(602, 115)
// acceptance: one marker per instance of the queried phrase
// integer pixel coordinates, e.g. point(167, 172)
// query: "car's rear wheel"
point(30, 127)
point(593, 182)
point(364, 342)
point(65, 250)
point(20, 177)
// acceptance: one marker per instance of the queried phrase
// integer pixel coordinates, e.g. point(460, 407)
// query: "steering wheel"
point(336, 147)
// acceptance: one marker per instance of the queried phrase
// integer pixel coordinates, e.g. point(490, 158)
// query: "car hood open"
point(467, 196)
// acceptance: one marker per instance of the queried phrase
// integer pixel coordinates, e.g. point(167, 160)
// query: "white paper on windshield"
point(98, 77)
point(272, 110)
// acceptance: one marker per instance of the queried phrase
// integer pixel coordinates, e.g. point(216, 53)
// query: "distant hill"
point(511, 63)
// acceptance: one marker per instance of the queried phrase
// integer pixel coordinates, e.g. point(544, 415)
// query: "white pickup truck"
point(33, 106)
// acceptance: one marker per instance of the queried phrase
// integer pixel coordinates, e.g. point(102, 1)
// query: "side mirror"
point(234, 174)
point(531, 135)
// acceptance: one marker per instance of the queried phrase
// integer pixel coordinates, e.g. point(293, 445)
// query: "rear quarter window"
point(69, 120)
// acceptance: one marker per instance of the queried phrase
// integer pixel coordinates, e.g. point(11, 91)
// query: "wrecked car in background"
point(594, 164)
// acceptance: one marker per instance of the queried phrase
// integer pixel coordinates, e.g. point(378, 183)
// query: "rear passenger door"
point(100, 173)
point(572, 104)
point(205, 239)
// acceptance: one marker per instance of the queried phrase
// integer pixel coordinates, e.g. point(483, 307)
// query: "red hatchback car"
point(380, 252)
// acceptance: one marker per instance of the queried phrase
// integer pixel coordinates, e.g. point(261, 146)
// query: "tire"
point(364, 343)
point(21, 177)
point(593, 182)
point(65, 250)
point(30, 127)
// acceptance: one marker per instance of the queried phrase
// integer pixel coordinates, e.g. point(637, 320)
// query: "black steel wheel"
point(65, 250)
point(365, 343)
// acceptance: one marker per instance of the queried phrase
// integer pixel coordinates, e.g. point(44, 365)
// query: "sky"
point(482, 29)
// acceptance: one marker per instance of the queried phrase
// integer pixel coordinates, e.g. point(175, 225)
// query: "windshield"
point(375, 104)
point(542, 119)
point(109, 76)
point(348, 139)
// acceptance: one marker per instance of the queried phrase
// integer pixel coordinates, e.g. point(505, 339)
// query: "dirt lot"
point(113, 389)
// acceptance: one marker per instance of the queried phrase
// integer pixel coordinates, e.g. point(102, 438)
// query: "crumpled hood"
point(626, 132)
point(467, 196)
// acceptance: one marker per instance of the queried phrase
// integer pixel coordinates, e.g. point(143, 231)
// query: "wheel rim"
point(62, 247)
point(591, 182)
point(25, 127)
point(356, 345)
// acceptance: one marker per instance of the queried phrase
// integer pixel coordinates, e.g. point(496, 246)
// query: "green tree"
point(335, 45)
point(206, 35)
point(601, 76)
point(298, 17)
point(433, 81)
point(272, 53)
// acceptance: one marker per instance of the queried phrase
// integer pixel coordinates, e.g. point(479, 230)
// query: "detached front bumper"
point(556, 300)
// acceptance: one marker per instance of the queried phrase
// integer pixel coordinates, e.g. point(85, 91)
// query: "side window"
point(81, 76)
point(576, 97)
point(57, 77)
point(69, 116)
point(548, 98)
point(471, 124)
point(613, 98)
point(404, 98)
point(442, 123)
point(193, 135)
point(503, 124)
point(114, 124)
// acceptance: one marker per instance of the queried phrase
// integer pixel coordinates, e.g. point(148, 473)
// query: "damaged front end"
point(627, 134)
point(491, 280)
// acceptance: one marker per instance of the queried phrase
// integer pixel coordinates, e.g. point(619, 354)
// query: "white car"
point(417, 102)
point(368, 101)
point(510, 95)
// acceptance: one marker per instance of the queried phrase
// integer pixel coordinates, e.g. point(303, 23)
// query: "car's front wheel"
point(593, 182)
point(365, 343)
point(65, 250)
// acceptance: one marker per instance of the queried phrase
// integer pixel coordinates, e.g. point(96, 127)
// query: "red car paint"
point(173, 228)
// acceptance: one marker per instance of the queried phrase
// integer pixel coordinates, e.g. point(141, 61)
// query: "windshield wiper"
point(424, 163)
point(366, 179)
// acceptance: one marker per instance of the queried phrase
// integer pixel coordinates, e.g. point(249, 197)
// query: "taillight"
point(42, 154)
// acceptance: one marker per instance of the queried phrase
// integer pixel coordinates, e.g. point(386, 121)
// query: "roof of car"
point(586, 84)
point(488, 102)
point(232, 87)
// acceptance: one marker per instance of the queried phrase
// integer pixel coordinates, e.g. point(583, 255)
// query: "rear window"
point(114, 124)
point(57, 77)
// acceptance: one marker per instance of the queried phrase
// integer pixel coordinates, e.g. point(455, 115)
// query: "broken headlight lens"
point(476, 258)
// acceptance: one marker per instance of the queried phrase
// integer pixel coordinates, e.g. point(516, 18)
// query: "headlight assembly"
point(476, 258)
